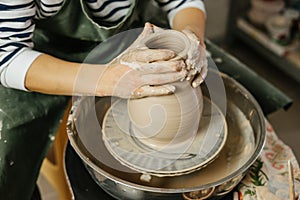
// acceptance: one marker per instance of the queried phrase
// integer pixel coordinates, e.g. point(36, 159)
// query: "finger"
point(188, 65)
point(200, 77)
point(164, 78)
point(152, 55)
point(148, 29)
point(162, 66)
point(147, 90)
point(152, 67)
point(191, 74)
point(197, 81)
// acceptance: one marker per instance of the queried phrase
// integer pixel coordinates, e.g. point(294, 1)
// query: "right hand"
point(142, 72)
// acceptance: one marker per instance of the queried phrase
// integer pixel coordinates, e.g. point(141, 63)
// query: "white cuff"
point(13, 76)
point(192, 4)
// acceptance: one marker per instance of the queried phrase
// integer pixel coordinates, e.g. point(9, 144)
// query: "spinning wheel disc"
point(170, 161)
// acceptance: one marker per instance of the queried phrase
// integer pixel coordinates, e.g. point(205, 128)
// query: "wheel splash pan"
point(245, 141)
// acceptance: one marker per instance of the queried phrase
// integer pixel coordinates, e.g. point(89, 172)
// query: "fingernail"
point(184, 73)
point(197, 82)
point(180, 65)
point(169, 53)
point(188, 66)
point(193, 72)
point(194, 84)
point(168, 89)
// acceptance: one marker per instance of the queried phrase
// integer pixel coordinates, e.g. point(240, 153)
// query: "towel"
point(267, 178)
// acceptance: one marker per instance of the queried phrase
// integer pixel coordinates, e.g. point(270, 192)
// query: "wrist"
point(196, 30)
point(110, 78)
point(90, 80)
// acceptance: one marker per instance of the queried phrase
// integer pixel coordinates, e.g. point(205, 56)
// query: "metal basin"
point(245, 141)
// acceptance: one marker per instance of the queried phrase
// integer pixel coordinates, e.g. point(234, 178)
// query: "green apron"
point(29, 121)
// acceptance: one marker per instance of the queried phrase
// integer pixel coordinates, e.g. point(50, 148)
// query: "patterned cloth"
point(267, 178)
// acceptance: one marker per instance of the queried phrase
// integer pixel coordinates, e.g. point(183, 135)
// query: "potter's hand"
point(196, 60)
point(147, 72)
point(142, 72)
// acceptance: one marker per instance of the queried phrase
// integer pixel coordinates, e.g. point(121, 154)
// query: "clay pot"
point(164, 121)
point(167, 120)
point(168, 39)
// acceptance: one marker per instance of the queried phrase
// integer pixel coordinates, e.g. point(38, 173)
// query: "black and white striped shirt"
point(16, 28)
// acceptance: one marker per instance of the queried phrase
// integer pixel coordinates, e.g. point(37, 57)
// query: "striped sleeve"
point(172, 7)
point(16, 31)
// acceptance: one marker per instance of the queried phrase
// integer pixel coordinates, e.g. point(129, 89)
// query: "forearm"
point(192, 19)
point(50, 75)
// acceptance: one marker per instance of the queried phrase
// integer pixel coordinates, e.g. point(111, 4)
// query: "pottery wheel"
point(129, 151)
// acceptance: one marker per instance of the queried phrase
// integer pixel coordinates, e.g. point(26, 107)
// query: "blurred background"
point(243, 29)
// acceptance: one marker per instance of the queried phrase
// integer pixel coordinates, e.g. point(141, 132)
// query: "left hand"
point(196, 59)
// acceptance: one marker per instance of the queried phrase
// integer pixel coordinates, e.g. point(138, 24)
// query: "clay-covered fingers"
point(147, 55)
point(123, 81)
point(163, 78)
point(200, 77)
point(196, 62)
point(196, 76)
point(162, 66)
point(191, 74)
point(147, 90)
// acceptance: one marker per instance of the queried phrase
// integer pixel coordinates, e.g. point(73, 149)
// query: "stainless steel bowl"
point(245, 141)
